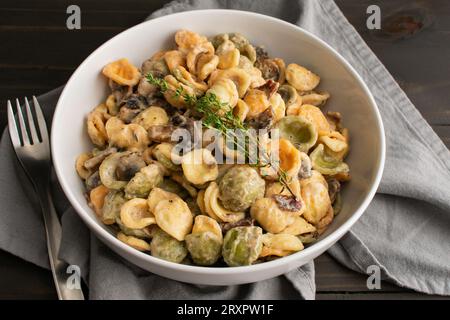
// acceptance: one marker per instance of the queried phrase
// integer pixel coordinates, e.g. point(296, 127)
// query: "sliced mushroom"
point(129, 165)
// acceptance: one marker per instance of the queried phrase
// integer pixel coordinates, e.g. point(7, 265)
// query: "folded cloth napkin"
point(405, 230)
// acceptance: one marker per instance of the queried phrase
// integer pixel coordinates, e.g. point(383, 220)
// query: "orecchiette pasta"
point(226, 92)
point(97, 198)
point(134, 214)
point(315, 116)
point(199, 166)
point(130, 136)
point(122, 72)
point(96, 127)
point(301, 78)
point(269, 215)
point(167, 192)
point(134, 242)
point(280, 245)
point(174, 217)
point(315, 194)
point(82, 171)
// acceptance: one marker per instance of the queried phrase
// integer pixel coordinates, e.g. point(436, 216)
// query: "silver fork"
point(33, 152)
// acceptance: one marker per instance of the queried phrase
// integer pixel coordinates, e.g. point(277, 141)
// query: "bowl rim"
point(95, 226)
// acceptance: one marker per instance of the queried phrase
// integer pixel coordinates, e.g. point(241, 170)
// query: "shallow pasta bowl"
point(350, 96)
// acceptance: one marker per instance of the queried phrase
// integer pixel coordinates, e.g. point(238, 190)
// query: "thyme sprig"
point(219, 116)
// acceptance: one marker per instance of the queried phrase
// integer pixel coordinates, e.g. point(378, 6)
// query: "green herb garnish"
point(219, 116)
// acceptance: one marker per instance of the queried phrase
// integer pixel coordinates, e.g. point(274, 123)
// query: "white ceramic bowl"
point(350, 96)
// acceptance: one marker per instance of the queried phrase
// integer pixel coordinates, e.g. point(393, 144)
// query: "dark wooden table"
point(38, 53)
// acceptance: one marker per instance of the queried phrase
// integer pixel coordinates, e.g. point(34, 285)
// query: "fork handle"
point(53, 235)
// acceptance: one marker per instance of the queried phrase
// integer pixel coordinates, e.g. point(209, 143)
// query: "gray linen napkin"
point(404, 231)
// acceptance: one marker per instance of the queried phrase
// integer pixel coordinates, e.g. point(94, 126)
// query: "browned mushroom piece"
point(288, 203)
point(270, 69)
point(334, 186)
point(128, 165)
point(263, 121)
point(246, 222)
point(131, 107)
point(269, 88)
point(335, 120)
point(94, 162)
point(261, 55)
point(119, 92)
point(93, 181)
point(161, 133)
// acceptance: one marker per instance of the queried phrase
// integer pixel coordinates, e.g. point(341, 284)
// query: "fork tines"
point(23, 132)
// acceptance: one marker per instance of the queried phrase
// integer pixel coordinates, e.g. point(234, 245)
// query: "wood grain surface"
point(38, 54)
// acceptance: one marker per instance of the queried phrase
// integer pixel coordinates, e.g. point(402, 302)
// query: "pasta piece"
point(276, 188)
point(182, 75)
point(186, 40)
point(130, 136)
point(241, 110)
point(122, 72)
point(278, 107)
point(226, 92)
point(201, 201)
point(326, 164)
point(266, 212)
point(335, 143)
point(82, 171)
point(174, 59)
point(206, 224)
point(228, 55)
point(157, 195)
point(315, 98)
point(97, 198)
point(96, 126)
point(134, 214)
point(206, 65)
point(199, 166)
point(299, 226)
point(290, 158)
point(315, 116)
point(301, 78)
point(215, 209)
point(280, 245)
point(315, 194)
point(299, 131)
point(174, 100)
point(134, 242)
point(325, 221)
point(174, 217)
point(257, 101)
point(240, 77)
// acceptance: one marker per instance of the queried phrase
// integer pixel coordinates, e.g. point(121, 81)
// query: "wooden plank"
point(23, 280)
point(334, 277)
point(57, 18)
point(59, 48)
point(378, 296)
point(104, 5)
point(418, 62)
